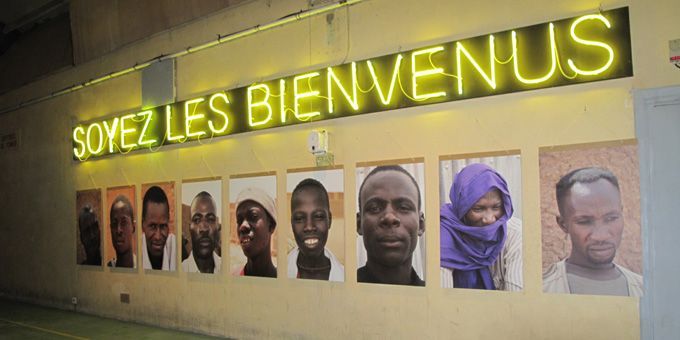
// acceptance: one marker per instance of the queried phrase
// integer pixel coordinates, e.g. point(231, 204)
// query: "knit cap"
point(257, 195)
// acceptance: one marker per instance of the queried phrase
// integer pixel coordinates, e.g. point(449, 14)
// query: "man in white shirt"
point(311, 220)
point(159, 246)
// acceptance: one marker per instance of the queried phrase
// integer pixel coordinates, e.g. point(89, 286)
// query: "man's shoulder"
point(363, 275)
point(293, 253)
point(416, 280)
point(555, 279)
point(513, 241)
point(554, 272)
point(186, 263)
point(238, 271)
point(634, 280)
point(189, 258)
point(627, 271)
point(514, 225)
point(630, 275)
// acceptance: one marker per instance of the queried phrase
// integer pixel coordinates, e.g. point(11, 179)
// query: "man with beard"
point(204, 230)
point(122, 224)
point(591, 213)
point(390, 220)
point(311, 220)
point(88, 225)
point(158, 244)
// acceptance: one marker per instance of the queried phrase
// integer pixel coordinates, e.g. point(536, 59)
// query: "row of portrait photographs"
point(587, 193)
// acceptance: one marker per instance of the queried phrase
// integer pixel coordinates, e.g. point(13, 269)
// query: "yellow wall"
point(104, 26)
point(40, 179)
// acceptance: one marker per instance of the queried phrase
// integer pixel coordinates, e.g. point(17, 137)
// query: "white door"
point(657, 121)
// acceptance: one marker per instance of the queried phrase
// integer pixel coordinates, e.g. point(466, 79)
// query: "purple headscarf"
point(470, 250)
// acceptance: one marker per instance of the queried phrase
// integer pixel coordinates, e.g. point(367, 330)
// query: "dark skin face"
point(486, 210)
point(156, 228)
point(122, 228)
point(593, 217)
point(311, 220)
point(204, 227)
point(254, 229)
point(389, 219)
point(89, 234)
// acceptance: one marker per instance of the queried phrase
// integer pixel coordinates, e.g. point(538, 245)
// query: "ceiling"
point(24, 14)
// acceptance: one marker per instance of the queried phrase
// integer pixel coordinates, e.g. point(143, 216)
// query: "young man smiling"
point(311, 221)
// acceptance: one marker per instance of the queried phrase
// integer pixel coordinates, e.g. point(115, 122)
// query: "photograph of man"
point(591, 214)
point(311, 220)
point(480, 239)
point(159, 246)
point(204, 229)
point(255, 224)
point(122, 225)
point(88, 204)
point(390, 220)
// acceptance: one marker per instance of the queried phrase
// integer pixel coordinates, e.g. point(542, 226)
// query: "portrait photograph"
point(316, 246)
point(159, 241)
point(201, 245)
point(121, 239)
point(390, 223)
point(481, 222)
point(89, 227)
point(590, 216)
point(254, 221)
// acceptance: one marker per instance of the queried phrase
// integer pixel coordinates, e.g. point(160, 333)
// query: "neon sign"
point(577, 50)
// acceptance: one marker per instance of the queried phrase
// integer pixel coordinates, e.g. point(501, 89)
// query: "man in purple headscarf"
point(481, 244)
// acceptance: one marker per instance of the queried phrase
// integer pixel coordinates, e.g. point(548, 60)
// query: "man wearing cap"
point(255, 224)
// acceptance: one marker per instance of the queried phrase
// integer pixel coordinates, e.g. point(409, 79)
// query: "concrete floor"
point(25, 321)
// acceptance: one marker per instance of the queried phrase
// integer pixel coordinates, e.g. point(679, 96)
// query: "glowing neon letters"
point(576, 50)
point(299, 94)
point(416, 72)
point(221, 113)
point(591, 43)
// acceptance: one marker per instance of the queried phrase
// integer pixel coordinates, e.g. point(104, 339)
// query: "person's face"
point(389, 218)
point(486, 211)
point(90, 234)
point(592, 216)
point(310, 219)
point(254, 228)
point(203, 227)
point(155, 226)
point(122, 228)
